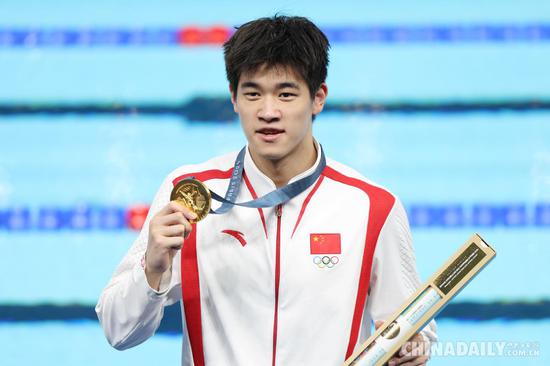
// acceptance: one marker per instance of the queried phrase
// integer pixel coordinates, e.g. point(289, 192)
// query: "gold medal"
point(194, 195)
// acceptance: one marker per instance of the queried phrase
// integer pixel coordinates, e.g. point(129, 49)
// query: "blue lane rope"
point(368, 34)
point(436, 216)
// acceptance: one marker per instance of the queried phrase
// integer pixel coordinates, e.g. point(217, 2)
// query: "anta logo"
point(237, 235)
point(325, 248)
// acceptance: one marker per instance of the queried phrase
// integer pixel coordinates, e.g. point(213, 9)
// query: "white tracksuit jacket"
point(293, 285)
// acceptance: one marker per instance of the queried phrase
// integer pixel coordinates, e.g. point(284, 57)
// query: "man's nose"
point(269, 110)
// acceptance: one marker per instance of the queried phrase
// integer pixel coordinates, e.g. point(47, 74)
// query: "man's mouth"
point(269, 135)
point(270, 131)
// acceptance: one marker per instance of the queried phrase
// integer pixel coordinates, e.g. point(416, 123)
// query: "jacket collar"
point(262, 183)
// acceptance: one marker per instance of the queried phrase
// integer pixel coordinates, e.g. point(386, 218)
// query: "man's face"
point(275, 109)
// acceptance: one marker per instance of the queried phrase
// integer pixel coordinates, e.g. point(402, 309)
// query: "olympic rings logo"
point(325, 261)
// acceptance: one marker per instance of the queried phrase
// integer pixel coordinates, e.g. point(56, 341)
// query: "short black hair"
point(293, 42)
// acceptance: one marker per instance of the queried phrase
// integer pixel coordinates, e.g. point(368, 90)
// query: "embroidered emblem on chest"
point(325, 248)
point(237, 235)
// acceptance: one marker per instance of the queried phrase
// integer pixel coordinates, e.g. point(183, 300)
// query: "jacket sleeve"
point(394, 276)
point(128, 309)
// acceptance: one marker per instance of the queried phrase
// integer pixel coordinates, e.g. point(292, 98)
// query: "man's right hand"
point(167, 231)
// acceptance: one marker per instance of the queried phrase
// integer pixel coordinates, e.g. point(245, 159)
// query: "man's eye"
point(252, 94)
point(287, 95)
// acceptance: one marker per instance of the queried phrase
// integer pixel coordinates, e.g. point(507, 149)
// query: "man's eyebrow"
point(283, 85)
point(249, 84)
point(288, 84)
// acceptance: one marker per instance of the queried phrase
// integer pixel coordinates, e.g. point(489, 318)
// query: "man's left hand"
point(413, 352)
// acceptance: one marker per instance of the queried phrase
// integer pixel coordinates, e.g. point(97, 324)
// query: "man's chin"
point(268, 153)
point(272, 156)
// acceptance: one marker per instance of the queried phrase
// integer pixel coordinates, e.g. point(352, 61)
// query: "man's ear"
point(233, 99)
point(319, 99)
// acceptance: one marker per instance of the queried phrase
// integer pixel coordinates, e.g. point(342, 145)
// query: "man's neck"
point(283, 170)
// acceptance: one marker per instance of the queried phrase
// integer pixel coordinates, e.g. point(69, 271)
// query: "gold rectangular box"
point(424, 304)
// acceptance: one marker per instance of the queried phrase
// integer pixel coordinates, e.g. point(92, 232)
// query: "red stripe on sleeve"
point(381, 203)
point(190, 279)
point(205, 175)
point(191, 295)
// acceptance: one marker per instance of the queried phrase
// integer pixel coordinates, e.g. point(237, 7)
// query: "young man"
point(295, 284)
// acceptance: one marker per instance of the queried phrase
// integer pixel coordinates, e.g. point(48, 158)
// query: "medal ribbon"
point(271, 199)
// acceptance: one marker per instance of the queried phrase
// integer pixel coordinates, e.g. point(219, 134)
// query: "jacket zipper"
point(278, 213)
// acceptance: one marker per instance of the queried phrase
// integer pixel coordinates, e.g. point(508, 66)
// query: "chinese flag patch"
point(325, 244)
